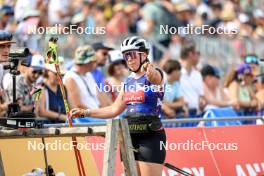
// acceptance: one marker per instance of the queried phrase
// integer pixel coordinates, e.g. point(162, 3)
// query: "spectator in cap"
point(215, 95)
point(79, 82)
point(5, 45)
point(6, 13)
point(117, 71)
point(51, 104)
point(25, 83)
point(101, 56)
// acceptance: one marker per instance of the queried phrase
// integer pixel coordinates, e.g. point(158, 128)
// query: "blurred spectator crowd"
point(196, 85)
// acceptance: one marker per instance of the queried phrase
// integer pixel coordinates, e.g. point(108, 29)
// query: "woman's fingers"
point(145, 66)
point(76, 112)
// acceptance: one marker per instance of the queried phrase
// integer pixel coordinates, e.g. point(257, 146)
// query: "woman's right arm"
point(106, 112)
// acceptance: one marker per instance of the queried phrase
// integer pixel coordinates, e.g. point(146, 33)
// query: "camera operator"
point(5, 45)
point(25, 82)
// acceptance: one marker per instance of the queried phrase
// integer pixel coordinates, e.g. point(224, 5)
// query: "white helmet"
point(135, 43)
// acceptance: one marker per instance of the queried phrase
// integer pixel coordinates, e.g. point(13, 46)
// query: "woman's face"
point(133, 59)
point(52, 77)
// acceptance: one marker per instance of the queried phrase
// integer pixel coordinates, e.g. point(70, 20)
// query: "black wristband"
point(161, 73)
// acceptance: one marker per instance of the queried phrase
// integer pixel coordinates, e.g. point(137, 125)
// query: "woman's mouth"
point(131, 64)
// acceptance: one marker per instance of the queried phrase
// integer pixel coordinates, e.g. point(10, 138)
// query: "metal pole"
point(164, 121)
point(45, 157)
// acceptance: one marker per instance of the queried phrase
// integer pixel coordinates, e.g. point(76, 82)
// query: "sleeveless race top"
point(141, 96)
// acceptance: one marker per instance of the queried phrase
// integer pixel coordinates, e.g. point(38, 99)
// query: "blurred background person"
point(242, 93)
point(155, 14)
point(119, 23)
point(117, 72)
point(59, 12)
point(25, 83)
point(5, 45)
point(253, 61)
point(7, 18)
point(25, 30)
point(173, 104)
point(260, 95)
point(191, 81)
point(215, 95)
point(51, 104)
point(101, 56)
point(79, 82)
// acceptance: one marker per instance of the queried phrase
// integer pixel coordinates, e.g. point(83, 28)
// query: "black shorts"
point(149, 146)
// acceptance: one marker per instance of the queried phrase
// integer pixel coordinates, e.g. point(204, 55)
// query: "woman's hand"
point(152, 73)
point(77, 112)
point(149, 69)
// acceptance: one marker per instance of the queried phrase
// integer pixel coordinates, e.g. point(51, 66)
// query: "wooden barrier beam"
point(53, 132)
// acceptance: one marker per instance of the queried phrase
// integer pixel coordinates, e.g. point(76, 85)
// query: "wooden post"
point(127, 149)
point(111, 147)
point(2, 171)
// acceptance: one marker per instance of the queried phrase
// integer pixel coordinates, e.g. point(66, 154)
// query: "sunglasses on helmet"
point(251, 59)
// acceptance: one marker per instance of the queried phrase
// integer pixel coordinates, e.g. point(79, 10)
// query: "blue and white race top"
point(141, 96)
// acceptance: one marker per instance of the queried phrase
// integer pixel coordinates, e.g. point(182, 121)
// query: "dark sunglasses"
point(251, 59)
point(131, 54)
point(37, 72)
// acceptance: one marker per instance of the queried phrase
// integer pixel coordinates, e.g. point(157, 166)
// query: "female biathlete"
point(141, 96)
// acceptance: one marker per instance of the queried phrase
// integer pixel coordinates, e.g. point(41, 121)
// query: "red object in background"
point(227, 151)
